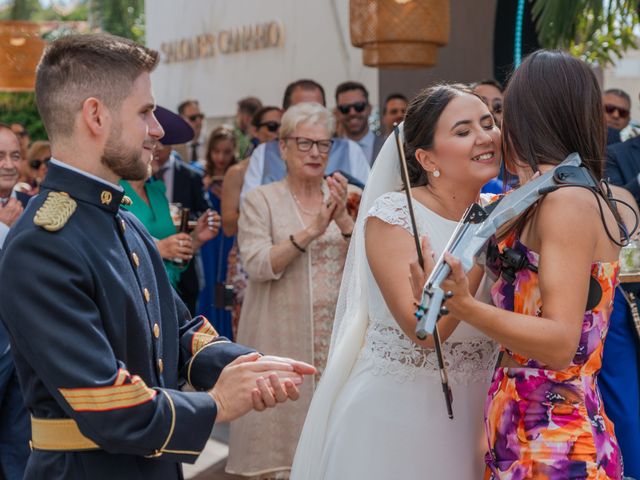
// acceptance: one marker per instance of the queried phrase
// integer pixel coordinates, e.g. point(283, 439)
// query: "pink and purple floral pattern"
point(546, 424)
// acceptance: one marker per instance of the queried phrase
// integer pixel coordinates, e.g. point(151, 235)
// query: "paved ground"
point(210, 464)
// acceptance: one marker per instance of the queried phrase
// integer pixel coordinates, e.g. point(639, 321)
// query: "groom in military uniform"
point(102, 344)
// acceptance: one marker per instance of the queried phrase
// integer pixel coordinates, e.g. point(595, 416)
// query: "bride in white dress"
point(379, 410)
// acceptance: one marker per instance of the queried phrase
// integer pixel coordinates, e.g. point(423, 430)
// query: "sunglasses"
point(36, 164)
point(358, 107)
point(622, 112)
point(197, 116)
point(271, 126)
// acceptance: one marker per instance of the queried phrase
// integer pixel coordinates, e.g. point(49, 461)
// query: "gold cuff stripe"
point(172, 407)
point(193, 358)
point(202, 336)
point(109, 398)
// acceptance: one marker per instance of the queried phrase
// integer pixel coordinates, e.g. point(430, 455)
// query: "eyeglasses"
point(306, 144)
point(197, 116)
point(36, 164)
point(358, 107)
point(271, 126)
point(622, 112)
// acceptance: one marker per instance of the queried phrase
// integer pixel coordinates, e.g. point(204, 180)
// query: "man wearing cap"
point(103, 345)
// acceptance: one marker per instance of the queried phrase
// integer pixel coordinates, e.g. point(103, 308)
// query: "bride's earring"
point(436, 173)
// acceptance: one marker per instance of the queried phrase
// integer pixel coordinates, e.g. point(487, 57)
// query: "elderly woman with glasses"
point(293, 237)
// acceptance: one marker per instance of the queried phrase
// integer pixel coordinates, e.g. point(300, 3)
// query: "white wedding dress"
point(379, 412)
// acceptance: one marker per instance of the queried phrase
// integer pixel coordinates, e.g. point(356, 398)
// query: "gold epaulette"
point(126, 201)
point(55, 211)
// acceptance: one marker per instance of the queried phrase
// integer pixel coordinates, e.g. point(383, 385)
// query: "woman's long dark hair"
point(553, 107)
point(217, 135)
point(421, 121)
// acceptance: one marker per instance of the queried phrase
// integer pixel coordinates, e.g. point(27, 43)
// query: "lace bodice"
point(469, 354)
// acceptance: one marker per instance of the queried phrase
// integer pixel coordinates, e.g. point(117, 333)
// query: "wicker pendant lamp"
point(399, 33)
point(20, 50)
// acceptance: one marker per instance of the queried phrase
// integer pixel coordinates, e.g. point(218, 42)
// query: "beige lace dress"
point(287, 314)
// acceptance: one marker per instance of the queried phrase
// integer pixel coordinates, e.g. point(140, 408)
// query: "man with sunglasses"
point(617, 106)
point(353, 110)
point(623, 158)
point(192, 152)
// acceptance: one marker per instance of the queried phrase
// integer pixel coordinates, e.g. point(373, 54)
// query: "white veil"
point(351, 319)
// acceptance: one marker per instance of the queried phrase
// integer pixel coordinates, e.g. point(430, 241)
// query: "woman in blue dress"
point(211, 302)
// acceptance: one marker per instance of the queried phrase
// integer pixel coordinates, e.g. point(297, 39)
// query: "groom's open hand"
point(258, 382)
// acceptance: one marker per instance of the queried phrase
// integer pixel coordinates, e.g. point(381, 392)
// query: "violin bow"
point(446, 390)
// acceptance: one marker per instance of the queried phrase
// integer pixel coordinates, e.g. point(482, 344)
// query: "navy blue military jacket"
point(99, 336)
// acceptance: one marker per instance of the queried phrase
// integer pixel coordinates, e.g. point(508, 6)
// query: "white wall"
point(316, 45)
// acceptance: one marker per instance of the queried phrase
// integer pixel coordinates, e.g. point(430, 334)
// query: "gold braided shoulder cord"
point(55, 211)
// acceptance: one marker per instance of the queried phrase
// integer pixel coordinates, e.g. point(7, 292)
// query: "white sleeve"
point(253, 175)
point(392, 208)
point(4, 230)
point(358, 162)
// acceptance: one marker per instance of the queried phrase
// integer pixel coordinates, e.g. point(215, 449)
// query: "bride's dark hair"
point(420, 124)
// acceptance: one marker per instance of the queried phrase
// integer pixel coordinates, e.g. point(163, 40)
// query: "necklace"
point(299, 204)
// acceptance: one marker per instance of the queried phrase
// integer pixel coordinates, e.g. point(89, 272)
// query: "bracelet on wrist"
point(295, 244)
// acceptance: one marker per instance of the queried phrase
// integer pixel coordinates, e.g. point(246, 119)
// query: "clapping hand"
point(10, 211)
point(272, 391)
point(322, 220)
point(338, 194)
point(255, 382)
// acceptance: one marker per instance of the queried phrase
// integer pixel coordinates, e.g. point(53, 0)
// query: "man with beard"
point(101, 343)
point(353, 110)
point(14, 421)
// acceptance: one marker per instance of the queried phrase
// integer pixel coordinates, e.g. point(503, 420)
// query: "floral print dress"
point(549, 424)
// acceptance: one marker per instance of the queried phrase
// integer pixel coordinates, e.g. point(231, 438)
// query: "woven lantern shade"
point(20, 50)
point(399, 33)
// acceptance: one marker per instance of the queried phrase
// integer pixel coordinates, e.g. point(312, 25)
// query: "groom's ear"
point(426, 159)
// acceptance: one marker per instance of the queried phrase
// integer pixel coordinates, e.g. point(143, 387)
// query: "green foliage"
point(21, 108)
point(23, 9)
point(596, 31)
point(121, 17)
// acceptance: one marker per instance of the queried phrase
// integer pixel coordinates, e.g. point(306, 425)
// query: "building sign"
point(236, 40)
